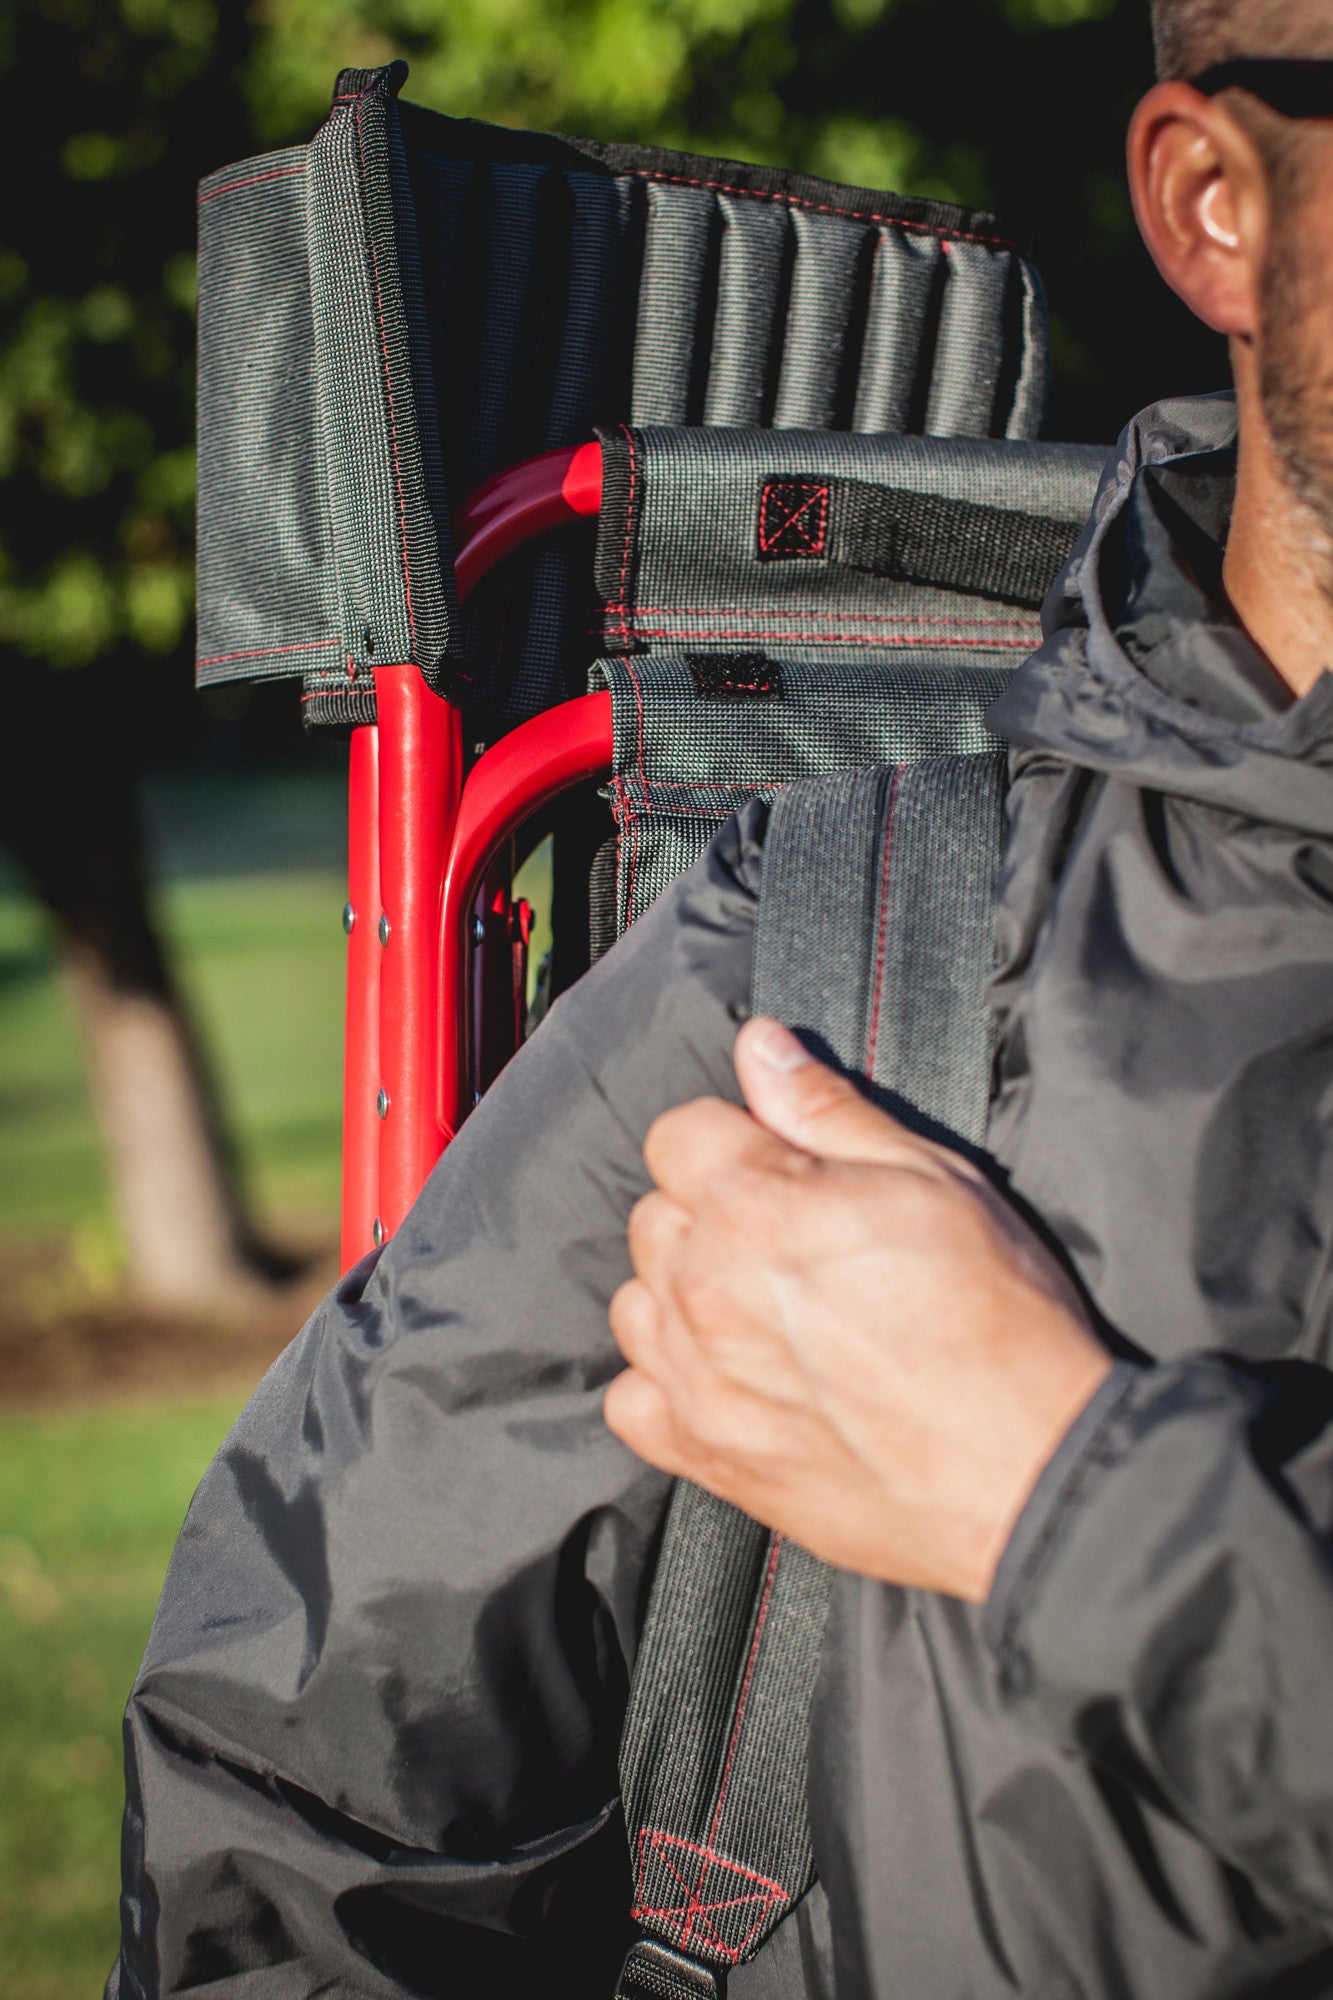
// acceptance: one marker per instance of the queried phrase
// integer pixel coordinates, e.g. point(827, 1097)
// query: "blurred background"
point(171, 868)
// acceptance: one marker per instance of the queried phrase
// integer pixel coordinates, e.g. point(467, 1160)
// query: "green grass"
point(90, 1504)
point(250, 891)
point(251, 888)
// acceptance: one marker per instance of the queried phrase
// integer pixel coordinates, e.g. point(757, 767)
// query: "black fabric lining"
point(465, 138)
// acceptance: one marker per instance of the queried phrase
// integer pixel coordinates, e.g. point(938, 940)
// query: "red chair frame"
point(421, 839)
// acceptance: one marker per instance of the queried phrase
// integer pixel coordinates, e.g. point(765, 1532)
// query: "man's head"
point(1235, 202)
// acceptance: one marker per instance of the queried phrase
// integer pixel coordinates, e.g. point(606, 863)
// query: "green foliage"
point(114, 109)
point(90, 1505)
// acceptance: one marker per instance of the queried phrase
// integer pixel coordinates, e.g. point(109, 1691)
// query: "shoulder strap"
point(874, 943)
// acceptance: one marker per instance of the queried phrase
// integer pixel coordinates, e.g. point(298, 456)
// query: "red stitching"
point(643, 775)
point(823, 208)
point(881, 929)
point(632, 671)
point(689, 785)
point(227, 187)
point(263, 652)
point(953, 622)
point(839, 638)
point(692, 1909)
point(388, 391)
point(626, 816)
point(811, 543)
point(622, 606)
point(761, 1619)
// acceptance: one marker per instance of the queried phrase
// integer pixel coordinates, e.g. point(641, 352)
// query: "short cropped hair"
point(1189, 35)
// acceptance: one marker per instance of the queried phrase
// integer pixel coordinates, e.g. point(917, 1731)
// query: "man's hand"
point(842, 1328)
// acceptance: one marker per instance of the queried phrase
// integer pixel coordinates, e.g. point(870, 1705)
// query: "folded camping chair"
point(751, 457)
point(394, 314)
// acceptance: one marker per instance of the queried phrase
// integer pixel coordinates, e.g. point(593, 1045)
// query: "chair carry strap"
point(874, 943)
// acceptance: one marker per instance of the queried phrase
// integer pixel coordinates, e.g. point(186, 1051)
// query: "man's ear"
point(1201, 199)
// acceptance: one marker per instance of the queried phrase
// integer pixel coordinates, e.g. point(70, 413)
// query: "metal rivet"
point(349, 918)
point(382, 1102)
point(368, 639)
point(479, 930)
point(378, 1232)
point(384, 928)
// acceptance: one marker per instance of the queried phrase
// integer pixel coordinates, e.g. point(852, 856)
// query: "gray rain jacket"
point(372, 1748)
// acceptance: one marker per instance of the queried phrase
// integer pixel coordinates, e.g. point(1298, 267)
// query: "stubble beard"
point(1296, 388)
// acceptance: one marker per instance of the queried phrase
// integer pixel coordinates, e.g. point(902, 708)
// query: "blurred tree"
point(112, 113)
point(113, 109)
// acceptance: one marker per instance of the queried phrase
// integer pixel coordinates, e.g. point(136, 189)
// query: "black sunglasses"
point(1298, 87)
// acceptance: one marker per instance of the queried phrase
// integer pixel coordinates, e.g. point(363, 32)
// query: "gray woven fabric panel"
point(884, 324)
point(267, 593)
point(480, 295)
point(391, 578)
point(685, 761)
point(749, 304)
point(928, 1039)
point(819, 900)
point(682, 566)
point(677, 292)
point(1029, 405)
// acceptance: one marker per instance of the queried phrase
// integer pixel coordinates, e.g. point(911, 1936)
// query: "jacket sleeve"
point(1165, 1606)
point(372, 1745)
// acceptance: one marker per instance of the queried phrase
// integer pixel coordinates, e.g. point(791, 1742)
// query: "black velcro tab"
point(733, 676)
point(793, 520)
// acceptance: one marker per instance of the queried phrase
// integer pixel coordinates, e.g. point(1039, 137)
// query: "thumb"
point(811, 1106)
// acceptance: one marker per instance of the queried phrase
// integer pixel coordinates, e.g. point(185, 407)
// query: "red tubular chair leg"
point(514, 779)
point(406, 1072)
point(421, 770)
point(361, 1058)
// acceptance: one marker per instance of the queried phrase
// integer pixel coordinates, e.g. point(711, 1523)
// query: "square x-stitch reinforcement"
point(793, 520)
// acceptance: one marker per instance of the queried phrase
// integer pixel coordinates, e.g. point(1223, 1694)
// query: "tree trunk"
point(71, 817)
point(186, 1243)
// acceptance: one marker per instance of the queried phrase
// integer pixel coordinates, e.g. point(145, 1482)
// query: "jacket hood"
point(1144, 672)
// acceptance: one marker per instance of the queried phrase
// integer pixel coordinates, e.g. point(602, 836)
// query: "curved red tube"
point(514, 779)
point(523, 501)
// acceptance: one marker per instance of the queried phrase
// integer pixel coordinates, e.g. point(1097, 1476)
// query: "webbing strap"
point(954, 544)
point(929, 1033)
point(874, 943)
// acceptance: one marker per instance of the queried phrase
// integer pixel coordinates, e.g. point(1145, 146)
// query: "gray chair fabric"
point(411, 302)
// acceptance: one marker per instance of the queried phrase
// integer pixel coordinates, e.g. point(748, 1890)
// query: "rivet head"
point(378, 1232)
point(478, 930)
point(383, 928)
point(382, 1102)
point(349, 918)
